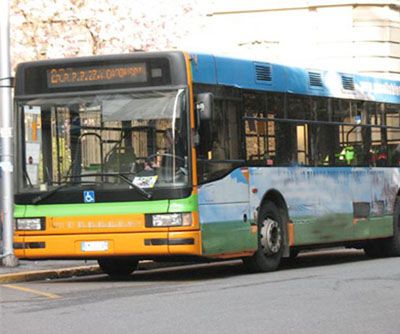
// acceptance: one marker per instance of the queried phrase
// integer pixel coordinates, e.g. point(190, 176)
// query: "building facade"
point(353, 36)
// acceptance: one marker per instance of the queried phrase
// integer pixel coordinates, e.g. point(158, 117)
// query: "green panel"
point(19, 210)
point(381, 227)
point(331, 228)
point(340, 227)
point(361, 229)
point(89, 209)
point(227, 237)
point(184, 205)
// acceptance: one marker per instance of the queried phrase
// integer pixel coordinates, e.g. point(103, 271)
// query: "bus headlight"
point(169, 220)
point(29, 224)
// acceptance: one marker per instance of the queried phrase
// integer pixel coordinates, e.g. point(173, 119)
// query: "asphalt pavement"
point(50, 269)
point(331, 292)
point(28, 270)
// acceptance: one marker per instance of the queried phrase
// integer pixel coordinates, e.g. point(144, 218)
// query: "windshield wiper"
point(141, 191)
point(49, 193)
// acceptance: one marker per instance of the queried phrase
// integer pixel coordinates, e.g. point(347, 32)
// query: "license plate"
point(94, 246)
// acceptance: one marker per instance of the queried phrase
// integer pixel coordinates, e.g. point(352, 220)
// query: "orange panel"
point(18, 252)
point(185, 237)
point(135, 244)
point(291, 233)
point(233, 255)
point(192, 120)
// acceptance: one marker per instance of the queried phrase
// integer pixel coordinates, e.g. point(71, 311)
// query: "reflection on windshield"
point(141, 137)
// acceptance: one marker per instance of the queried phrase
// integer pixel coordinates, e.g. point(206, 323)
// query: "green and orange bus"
point(175, 155)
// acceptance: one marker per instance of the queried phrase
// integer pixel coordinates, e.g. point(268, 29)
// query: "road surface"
point(329, 292)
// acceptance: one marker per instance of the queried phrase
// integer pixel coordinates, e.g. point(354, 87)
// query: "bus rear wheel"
point(119, 266)
point(270, 241)
point(392, 244)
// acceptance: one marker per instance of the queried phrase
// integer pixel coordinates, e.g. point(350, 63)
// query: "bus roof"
point(267, 76)
point(248, 74)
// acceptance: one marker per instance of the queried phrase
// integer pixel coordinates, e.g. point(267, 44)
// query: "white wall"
point(362, 36)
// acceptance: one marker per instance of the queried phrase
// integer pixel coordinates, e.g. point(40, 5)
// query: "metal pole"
point(6, 134)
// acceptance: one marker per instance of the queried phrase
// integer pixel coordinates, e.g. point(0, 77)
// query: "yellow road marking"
point(36, 292)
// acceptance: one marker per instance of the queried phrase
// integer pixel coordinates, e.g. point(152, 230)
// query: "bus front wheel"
point(118, 267)
point(270, 240)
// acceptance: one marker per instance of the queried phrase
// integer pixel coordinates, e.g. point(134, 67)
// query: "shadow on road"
point(324, 258)
point(214, 270)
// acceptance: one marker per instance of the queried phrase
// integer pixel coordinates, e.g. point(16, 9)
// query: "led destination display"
point(96, 75)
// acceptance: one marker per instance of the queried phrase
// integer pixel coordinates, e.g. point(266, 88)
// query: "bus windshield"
point(134, 140)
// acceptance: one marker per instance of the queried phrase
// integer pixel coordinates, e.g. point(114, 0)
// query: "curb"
point(36, 275)
point(27, 276)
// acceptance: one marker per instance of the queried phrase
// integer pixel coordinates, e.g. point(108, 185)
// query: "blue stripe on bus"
point(241, 73)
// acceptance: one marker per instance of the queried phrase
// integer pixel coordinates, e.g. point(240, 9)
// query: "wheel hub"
point(271, 236)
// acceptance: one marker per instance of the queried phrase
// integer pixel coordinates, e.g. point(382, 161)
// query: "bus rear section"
point(308, 158)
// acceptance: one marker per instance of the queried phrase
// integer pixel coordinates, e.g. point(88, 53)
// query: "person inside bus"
point(122, 158)
point(379, 156)
point(396, 156)
point(173, 152)
point(293, 161)
point(347, 155)
point(216, 156)
point(382, 157)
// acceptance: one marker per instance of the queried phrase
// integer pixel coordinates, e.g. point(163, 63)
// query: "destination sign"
point(96, 75)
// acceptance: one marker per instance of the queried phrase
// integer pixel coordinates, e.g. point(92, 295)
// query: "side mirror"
point(204, 106)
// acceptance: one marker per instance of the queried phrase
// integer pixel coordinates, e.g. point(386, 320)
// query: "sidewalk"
point(47, 269)
point(50, 269)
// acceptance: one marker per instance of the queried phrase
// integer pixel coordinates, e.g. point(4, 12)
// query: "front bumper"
point(145, 244)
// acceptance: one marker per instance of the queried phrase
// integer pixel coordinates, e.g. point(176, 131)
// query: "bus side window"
point(220, 145)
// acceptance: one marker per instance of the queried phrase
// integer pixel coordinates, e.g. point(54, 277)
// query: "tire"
point(392, 245)
point(375, 249)
point(119, 266)
point(389, 246)
point(270, 241)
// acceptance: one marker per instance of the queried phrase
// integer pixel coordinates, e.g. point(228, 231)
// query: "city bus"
point(184, 156)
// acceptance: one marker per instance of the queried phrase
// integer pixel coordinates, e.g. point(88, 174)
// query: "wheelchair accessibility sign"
point(89, 196)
